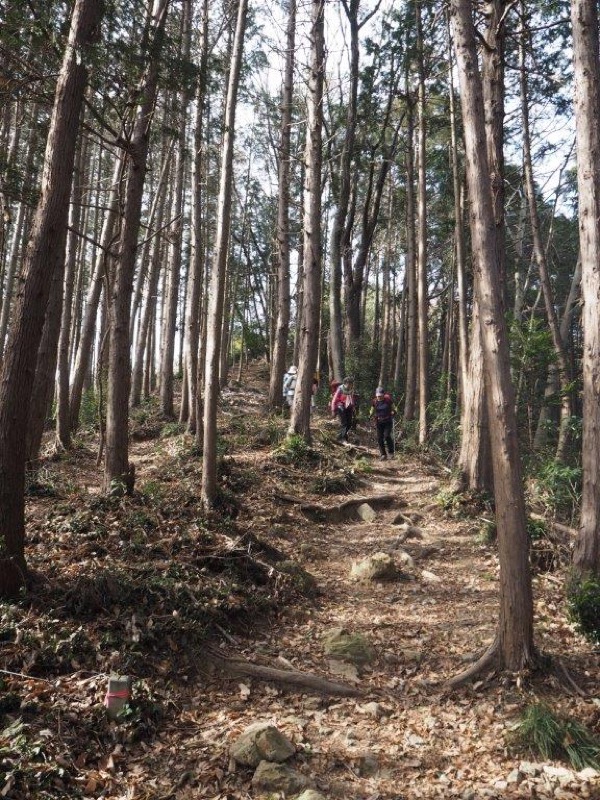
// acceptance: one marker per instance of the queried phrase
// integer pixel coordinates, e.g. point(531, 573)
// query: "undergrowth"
point(546, 734)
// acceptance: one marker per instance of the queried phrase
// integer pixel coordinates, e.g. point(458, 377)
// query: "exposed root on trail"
point(489, 658)
point(540, 662)
point(340, 511)
point(303, 680)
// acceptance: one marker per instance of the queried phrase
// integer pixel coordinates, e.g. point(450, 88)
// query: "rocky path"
point(406, 736)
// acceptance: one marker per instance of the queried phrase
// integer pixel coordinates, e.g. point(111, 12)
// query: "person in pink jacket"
point(343, 405)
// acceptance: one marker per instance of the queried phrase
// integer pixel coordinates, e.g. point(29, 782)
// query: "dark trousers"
point(384, 436)
point(346, 416)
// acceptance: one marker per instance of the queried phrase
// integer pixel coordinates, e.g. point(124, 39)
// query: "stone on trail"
point(430, 577)
point(378, 567)
point(261, 742)
point(366, 512)
point(310, 794)
point(271, 777)
point(346, 646)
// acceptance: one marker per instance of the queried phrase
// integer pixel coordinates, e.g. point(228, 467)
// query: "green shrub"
point(584, 607)
point(558, 488)
point(293, 450)
point(546, 734)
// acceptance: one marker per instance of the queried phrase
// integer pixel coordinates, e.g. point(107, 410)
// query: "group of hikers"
point(344, 405)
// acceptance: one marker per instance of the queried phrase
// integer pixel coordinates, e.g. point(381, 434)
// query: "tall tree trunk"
point(410, 395)
point(148, 310)
point(513, 648)
point(309, 330)
point(584, 20)
point(217, 278)
point(45, 251)
point(196, 279)
point(459, 236)
point(278, 366)
point(562, 362)
point(63, 431)
point(20, 229)
point(117, 475)
point(88, 327)
point(176, 239)
point(422, 236)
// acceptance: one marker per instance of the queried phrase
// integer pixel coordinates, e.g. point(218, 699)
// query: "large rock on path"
point(345, 646)
point(378, 567)
point(261, 742)
point(271, 777)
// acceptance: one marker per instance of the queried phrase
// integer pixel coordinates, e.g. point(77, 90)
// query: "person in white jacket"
point(289, 385)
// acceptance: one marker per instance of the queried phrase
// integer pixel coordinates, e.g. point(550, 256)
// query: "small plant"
point(584, 607)
point(172, 429)
point(558, 488)
point(488, 533)
point(293, 450)
point(546, 734)
point(344, 481)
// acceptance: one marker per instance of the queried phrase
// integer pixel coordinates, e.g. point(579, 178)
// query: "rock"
point(409, 531)
point(516, 777)
point(261, 742)
point(405, 559)
point(527, 768)
point(366, 512)
point(346, 646)
point(378, 567)
point(372, 710)
point(411, 654)
point(310, 794)
point(500, 785)
point(588, 774)
point(303, 580)
point(429, 577)
point(468, 794)
point(271, 777)
point(368, 765)
point(561, 774)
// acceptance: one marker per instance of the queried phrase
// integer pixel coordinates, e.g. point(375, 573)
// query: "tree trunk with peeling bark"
point(513, 647)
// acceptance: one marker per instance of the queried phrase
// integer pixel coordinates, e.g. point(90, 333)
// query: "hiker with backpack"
point(382, 408)
point(344, 405)
point(289, 385)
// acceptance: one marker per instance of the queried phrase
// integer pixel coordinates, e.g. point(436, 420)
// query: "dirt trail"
point(407, 737)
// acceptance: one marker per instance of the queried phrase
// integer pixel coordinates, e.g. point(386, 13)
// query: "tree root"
point(303, 680)
point(540, 661)
point(565, 678)
point(489, 657)
point(568, 531)
point(340, 511)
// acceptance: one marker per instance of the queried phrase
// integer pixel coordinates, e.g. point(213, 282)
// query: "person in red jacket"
point(343, 405)
point(382, 408)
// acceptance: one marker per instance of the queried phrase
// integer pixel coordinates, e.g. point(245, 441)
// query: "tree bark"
point(217, 278)
point(309, 330)
point(422, 297)
point(116, 463)
point(278, 365)
point(513, 648)
point(584, 20)
point(44, 252)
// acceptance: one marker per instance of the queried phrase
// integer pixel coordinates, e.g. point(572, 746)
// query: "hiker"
point(289, 386)
point(382, 408)
point(343, 405)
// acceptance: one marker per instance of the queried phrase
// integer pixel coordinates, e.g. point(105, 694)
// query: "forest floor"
point(149, 587)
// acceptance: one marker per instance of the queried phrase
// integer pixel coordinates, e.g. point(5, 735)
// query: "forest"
point(197, 195)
